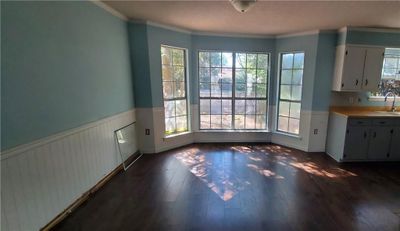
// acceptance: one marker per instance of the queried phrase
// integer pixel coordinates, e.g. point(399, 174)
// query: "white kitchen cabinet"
point(357, 68)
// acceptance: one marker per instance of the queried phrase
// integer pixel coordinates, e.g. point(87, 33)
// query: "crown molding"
point(109, 9)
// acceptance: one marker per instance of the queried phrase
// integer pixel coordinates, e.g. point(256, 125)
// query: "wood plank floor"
point(244, 187)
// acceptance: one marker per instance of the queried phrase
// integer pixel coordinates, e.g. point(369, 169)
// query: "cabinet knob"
point(366, 82)
point(356, 82)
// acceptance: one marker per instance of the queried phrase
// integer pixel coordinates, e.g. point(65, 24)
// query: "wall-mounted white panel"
point(41, 179)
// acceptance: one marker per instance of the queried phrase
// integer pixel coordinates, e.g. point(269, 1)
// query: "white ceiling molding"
point(109, 9)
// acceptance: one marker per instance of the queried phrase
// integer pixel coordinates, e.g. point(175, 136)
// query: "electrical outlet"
point(147, 131)
point(315, 131)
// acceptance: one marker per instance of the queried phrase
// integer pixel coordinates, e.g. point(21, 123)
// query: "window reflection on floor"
point(219, 176)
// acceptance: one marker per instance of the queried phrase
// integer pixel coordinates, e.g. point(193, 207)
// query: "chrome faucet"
point(393, 109)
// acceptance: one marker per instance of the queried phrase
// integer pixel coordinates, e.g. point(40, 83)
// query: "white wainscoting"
point(42, 178)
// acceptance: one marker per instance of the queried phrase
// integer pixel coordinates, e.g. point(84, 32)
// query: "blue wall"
point(156, 37)
point(308, 44)
point(64, 64)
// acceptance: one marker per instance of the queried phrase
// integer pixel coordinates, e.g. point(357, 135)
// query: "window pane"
point(240, 76)
point(215, 106)
point(227, 121)
point(179, 89)
point(204, 106)
point(216, 121)
point(215, 74)
point(390, 63)
point(239, 121)
point(205, 89)
point(283, 123)
point(177, 57)
point(227, 59)
point(250, 106)
point(285, 91)
point(262, 61)
point(169, 107)
point(252, 61)
point(251, 90)
point(204, 75)
point(286, 77)
point(287, 61)
point(215, 90)
point(240, 90)
point(262, 76)
point(240, 60)
point(294, 125)
point(215, 59)
point(180, 107)
point(226, 90)
point(240, 106)
point(284, 108)
point(204, 59)
point(205, 122)
point(297, 77)
point(261, 90)
point(261, 107)
point(166, 56)
point(181, 123)
point(227, 107)
point(170, 126)
point(298, 61)
point(261, 121)
point(167, 73)
point(250, 122)
point(296, 92)
point(168, 88)
point(251, 76)
point(295, 110)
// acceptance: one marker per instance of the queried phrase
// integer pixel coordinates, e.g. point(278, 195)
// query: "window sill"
point(231, 131)
point(380, 98)
point(288, 135)
point(175, 135)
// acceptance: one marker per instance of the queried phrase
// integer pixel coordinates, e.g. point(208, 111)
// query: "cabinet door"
point(395, 145)
point(373, 68)
point(379, 143)
point(356, 143)
point(353, 68)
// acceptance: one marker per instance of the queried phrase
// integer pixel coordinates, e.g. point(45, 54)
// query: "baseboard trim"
point(85, 196)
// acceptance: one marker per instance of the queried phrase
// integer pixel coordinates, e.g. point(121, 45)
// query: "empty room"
point(200, 115)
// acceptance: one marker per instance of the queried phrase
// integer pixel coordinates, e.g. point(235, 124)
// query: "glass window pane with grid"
point(173, 62)
point(290, 92)
point(233, 90)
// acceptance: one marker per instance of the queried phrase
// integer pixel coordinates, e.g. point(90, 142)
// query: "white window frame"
point(278, 95)
point(233, 97)
point(187, 92)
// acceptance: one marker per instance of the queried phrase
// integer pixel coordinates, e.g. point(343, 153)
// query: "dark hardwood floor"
point(244, 187)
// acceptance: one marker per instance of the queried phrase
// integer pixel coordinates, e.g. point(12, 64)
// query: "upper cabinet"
point(357, 68)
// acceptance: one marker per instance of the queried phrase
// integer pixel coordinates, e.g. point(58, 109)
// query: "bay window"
point(233, 90)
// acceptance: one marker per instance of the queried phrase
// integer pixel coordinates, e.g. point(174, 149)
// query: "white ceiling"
point(265, 18)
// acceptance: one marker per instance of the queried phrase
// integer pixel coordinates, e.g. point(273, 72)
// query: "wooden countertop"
point(366, 112)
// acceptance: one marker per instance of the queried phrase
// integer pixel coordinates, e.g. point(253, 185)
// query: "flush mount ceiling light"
point(242, 5)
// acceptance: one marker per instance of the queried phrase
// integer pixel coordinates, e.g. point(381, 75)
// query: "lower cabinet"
point(359, 139)
point(379, 143)
point(356, 143)
point(394, 153)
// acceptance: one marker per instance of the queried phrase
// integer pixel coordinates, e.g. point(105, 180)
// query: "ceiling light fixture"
point(242, 5)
